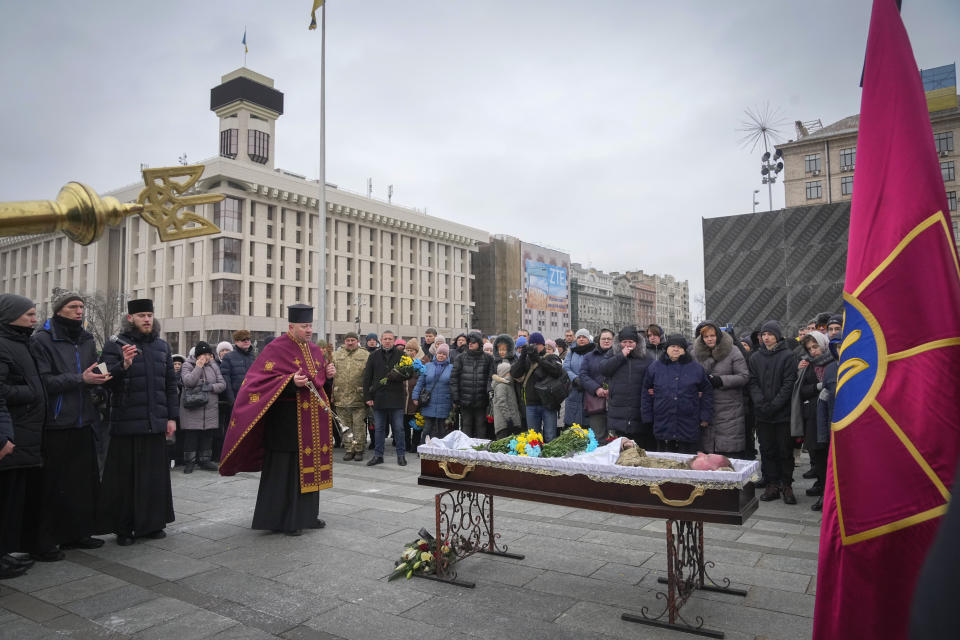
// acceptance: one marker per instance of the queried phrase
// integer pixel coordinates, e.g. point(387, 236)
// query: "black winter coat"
point(682, 399)
point(6, 424)
point(547, 366)
point(23, 392)
point(61, 362)
point(234, 368)
point(380, 365)
point(144, 396)
point(471, 379)
point(624, 376)
point(772, 376)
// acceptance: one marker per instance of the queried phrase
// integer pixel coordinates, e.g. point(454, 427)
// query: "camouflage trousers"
point(355, 419)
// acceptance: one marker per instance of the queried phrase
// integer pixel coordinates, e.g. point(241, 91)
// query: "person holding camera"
point(199, 407)
point(534, 366)
point(66, 358)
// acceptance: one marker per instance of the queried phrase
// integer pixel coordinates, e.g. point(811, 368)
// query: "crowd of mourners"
point(85, 434)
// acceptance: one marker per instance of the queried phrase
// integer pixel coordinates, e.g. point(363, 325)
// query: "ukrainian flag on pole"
point(313, 14)
point(244, 41)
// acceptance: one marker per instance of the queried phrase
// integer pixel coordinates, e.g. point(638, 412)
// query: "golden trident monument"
point(82, 215)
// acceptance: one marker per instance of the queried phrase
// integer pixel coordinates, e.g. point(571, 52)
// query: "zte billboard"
point(547, 288)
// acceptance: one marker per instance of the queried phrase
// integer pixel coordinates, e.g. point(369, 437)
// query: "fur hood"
point(719, 353)
point(504, 338)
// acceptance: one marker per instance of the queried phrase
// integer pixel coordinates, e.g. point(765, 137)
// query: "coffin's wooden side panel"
point(721, 506)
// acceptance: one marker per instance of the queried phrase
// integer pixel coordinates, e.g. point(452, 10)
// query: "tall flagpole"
point(322, 256)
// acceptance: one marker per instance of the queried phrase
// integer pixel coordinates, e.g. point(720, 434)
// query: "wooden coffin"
point(670, 500)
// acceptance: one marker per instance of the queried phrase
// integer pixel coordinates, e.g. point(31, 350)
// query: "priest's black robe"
point(135, 498)
point(280, 504)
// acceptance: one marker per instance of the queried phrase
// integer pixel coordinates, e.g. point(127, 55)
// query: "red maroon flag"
point(896, 424)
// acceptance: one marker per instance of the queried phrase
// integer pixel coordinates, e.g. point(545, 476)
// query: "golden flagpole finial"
point(82, 215)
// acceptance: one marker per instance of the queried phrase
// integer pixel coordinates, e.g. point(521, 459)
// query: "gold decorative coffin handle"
point(696, 493)
point(467, 468)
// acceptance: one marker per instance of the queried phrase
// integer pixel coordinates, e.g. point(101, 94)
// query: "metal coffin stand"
point(464, 516)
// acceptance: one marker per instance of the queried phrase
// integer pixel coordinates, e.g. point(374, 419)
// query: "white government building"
point(395, 268)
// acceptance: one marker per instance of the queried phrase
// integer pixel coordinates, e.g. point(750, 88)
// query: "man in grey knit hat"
point(66, 358)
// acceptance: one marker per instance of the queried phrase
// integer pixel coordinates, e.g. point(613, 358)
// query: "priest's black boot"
point(49, 555)
point(189, 461)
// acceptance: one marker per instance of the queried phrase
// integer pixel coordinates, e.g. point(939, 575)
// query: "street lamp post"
point(360, 304)
point(755, 202)
point(769, 169)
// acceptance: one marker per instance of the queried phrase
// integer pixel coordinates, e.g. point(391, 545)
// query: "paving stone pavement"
point(212, 577)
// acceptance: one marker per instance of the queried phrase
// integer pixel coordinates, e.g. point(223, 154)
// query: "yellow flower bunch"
point(419, 419)
point(531, 438)
point(579, 431)
point(406, 361)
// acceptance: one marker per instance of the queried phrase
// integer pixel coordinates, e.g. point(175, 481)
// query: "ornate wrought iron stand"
point(686, 572)
point(465, 520)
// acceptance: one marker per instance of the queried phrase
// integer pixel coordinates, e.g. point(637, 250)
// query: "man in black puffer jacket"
point(387, 399)
point(470, 383)
point(135, 499)
point(21, 450)
point(773, 371)
point(66, 355)
point(624, 369)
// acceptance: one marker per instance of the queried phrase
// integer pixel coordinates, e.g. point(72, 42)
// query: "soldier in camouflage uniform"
point(350, 361)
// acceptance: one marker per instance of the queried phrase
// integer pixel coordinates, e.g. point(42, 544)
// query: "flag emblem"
point(876, 372)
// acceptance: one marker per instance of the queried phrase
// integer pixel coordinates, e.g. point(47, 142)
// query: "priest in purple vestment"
point(281, 426)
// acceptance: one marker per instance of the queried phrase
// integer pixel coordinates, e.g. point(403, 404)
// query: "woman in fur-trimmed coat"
point(728, 373)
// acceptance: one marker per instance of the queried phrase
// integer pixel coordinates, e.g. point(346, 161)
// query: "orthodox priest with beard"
point(280, 426)
point(135, 498)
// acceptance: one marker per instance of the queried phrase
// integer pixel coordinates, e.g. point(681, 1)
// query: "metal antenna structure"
point(763, 124)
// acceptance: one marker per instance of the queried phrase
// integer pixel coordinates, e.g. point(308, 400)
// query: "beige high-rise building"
point(819, 163)
point(387, 267)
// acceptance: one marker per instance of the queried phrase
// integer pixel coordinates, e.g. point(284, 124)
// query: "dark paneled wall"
point(786, 265)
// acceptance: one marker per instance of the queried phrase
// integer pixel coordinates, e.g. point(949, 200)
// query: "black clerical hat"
point(140, 306)
point(299, 313)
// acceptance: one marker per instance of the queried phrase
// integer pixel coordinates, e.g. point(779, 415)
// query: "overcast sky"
point(604, 128)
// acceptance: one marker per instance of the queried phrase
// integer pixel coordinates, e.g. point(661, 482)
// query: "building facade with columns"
point(387, 267)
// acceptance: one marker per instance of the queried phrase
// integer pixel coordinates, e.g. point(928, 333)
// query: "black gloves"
point(715, 381)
